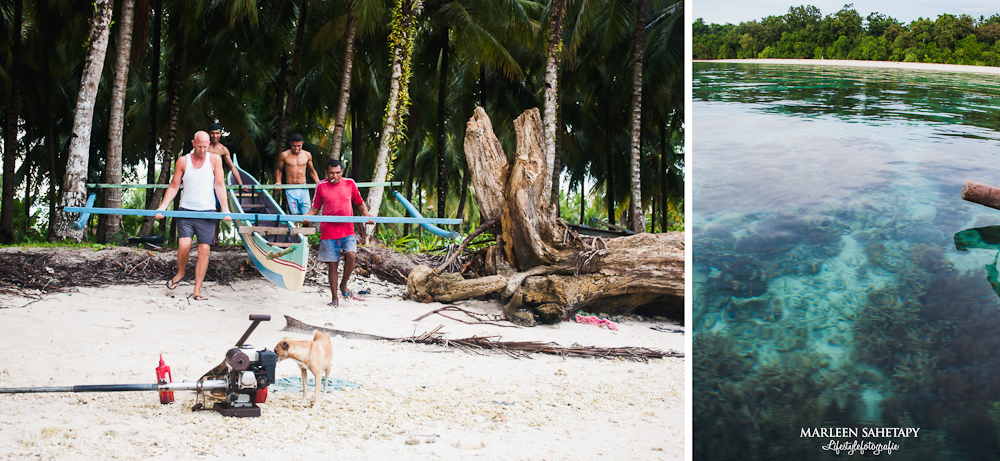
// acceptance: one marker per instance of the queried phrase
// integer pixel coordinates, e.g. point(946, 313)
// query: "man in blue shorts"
point(335, 196)
point(291, 169)
point(201, 174)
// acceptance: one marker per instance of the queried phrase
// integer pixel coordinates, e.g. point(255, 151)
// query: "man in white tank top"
point(201, 174)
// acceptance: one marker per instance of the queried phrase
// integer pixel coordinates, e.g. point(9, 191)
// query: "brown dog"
point(314, 355)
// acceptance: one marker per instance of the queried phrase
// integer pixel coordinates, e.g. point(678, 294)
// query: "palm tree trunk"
point(664, 216)
point(50, 145)
point(583, 200)
point(409, 180)
point(109, 225)
point(293, 81)
point(74, 191)
point(609, 165)
point(557, 159)
point(154, 105)
point(50, 137)
point(465, 193)
point(403, 27)
point(638, 222)
point(552, 87)
point(357, 141)
point(173, 110)
point(10, 139)
point(345, 86)
point(442, 179)
point(279, 111)
point(27, 198)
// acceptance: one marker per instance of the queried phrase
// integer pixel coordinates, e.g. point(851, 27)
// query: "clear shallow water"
point(828, 291)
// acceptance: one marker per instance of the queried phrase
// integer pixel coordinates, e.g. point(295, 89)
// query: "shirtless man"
point(292, 167)
point(216, 147)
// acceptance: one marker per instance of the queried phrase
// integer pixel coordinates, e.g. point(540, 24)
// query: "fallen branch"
point(490, 319)
point(292, 324)
point(483, 344)
point(479, 230)
point(524, 349)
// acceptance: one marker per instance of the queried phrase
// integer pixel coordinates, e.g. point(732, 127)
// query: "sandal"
point(171, 284)
point(350, 295)
point(199, 298)
point(333, 303)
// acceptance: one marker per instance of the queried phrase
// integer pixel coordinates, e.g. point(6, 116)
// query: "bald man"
point(201, 175)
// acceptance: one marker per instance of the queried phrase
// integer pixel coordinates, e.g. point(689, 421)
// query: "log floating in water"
point(983, 194)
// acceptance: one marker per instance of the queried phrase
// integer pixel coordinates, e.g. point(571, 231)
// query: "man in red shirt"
point(335, 196)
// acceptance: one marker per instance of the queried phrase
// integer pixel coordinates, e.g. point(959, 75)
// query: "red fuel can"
point(164, 376)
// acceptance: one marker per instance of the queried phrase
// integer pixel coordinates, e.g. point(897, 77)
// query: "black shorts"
point(204, 229)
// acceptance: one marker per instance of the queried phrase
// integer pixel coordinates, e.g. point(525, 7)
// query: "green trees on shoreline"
point(804, 33)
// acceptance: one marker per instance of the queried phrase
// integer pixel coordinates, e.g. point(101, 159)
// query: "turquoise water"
point(828, 291)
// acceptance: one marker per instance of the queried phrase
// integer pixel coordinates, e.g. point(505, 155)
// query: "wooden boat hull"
point(281, 259)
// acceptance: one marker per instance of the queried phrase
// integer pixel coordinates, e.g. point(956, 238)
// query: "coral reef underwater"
point(846, 317)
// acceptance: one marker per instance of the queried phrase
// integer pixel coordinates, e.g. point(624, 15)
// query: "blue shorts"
point(298, 201)
point(329, 250)
point(204, 229)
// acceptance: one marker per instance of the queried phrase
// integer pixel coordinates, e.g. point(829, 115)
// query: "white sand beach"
point(872, 64)
point(412, 401)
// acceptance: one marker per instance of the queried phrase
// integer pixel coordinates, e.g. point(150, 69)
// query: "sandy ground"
point(413, 401)
point(876, 64)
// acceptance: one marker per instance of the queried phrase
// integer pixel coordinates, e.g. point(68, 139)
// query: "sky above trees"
point(733, 12)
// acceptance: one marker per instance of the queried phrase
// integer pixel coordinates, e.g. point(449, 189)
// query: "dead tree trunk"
point(557, 270)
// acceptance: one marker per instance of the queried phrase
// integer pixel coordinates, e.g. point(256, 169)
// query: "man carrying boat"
point(201, 175)
point(335, 196)
point(217, 148)
point(292, 167)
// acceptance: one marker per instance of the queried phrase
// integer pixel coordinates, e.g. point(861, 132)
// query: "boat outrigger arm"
point(87, 211)
point(427, 225)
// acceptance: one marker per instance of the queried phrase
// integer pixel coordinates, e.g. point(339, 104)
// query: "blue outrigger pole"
point(428, 224)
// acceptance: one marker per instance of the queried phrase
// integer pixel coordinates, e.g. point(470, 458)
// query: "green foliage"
point(63, 244)
point(236, 59)
point(803, 33)
point(26, 227)
point(415, 243)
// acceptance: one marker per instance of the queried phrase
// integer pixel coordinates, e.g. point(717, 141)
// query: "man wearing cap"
point(201, 175)
point(216, 147)
point(291, 169)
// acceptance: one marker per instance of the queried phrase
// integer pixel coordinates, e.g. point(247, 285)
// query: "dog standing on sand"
point(315, 355)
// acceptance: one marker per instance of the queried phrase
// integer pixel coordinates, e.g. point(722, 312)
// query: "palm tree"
point(10, 138)
point(404, 23)
point(285, 106)
point(558, 7)
point(112, 224)
point(74, 192)
point(636, 222)
point(345, 84)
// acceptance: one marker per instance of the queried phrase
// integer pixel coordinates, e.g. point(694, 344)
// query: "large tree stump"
point(425, 284)
point(560, 272)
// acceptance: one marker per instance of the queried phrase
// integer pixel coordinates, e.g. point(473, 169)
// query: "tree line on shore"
point(804, 33)
point(384, 85)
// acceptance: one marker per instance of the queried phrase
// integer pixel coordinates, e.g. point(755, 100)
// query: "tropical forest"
point(804, 33)
point(112, 92)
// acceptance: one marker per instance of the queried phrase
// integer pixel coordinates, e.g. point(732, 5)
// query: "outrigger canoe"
point(278, 249)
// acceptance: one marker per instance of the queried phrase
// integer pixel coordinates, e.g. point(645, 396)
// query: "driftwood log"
point(552, 271)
